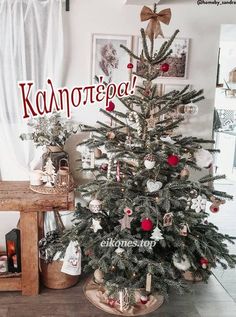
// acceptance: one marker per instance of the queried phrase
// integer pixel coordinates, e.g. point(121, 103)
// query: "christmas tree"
point(49, 173)
point(146, 222)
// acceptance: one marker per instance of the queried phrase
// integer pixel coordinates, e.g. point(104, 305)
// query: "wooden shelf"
point(10, 283)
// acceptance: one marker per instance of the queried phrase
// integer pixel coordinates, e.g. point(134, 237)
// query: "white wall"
point(199, 23)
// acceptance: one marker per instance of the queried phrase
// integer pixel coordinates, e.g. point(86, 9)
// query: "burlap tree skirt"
point(97, 296)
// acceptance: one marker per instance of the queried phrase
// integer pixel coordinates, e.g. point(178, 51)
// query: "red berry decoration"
point(204, 263)
point(173, 160)
point(147, 224)
point(111, 106)
point(214, 208)
point(130, 66)
point(165, 67)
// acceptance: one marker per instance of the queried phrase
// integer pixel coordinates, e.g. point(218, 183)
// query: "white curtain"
point(31, 48)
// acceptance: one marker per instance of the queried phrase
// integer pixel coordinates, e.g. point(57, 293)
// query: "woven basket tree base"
point(188, 276)
point(96, 295)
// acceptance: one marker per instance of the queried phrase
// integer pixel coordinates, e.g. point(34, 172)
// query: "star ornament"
point(198, 204)
point(125, 222)
point(96, 225)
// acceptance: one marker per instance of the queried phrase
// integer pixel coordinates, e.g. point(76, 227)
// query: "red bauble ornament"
point(147, 224)
point(130, 66)
point(204, 263)
point(144, 299)
point(173, 160)
point(165, 67)
point(214, 208)
point(111, 106)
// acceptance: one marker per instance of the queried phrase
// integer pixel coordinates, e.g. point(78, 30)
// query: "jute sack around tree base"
point(96, 294)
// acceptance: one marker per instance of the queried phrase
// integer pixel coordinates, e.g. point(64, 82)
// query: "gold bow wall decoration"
point(154, 25)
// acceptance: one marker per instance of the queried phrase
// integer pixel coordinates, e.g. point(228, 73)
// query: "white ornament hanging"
point(153, 186)
point(96, 225)
point(156, 235)
point(119, 251)
point(198, 204)
point(203, 158)
point(183, 263)
point(95, 206)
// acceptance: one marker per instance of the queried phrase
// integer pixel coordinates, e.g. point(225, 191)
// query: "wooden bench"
point(17, 196)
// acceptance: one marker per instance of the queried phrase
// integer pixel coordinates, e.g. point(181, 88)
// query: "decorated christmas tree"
point(146, 223)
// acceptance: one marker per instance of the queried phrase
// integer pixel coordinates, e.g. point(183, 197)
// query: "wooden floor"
point(215, 299)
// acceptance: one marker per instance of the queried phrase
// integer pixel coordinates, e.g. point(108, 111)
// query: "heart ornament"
point(153, 186)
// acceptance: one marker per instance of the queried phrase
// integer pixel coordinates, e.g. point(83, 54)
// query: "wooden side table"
point(17, 196)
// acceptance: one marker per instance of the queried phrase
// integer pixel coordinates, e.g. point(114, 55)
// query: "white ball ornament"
point(203, 158)
point(95, 206)
point(98, 276)
point(182, 264)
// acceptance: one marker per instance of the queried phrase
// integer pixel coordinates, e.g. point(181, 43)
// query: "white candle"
point(36, 178)
point(3, 264)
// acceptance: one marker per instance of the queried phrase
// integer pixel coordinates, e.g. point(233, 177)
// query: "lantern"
point(13, 251)
point(63, 174)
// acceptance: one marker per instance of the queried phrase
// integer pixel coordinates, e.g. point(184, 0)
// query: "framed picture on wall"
point(178, 60)
point(170, 87)
point(109, 59)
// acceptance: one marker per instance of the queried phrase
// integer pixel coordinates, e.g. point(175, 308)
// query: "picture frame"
point(178, 60)
point(109, 59)
point(166, 88)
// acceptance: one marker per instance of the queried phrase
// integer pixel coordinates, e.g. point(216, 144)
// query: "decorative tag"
point(72, 260)
point(149, 282)
point(168, 219)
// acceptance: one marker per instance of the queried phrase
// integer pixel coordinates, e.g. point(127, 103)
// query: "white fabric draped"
point(31, 48)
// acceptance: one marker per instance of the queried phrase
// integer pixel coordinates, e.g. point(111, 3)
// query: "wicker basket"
point(53, 278)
